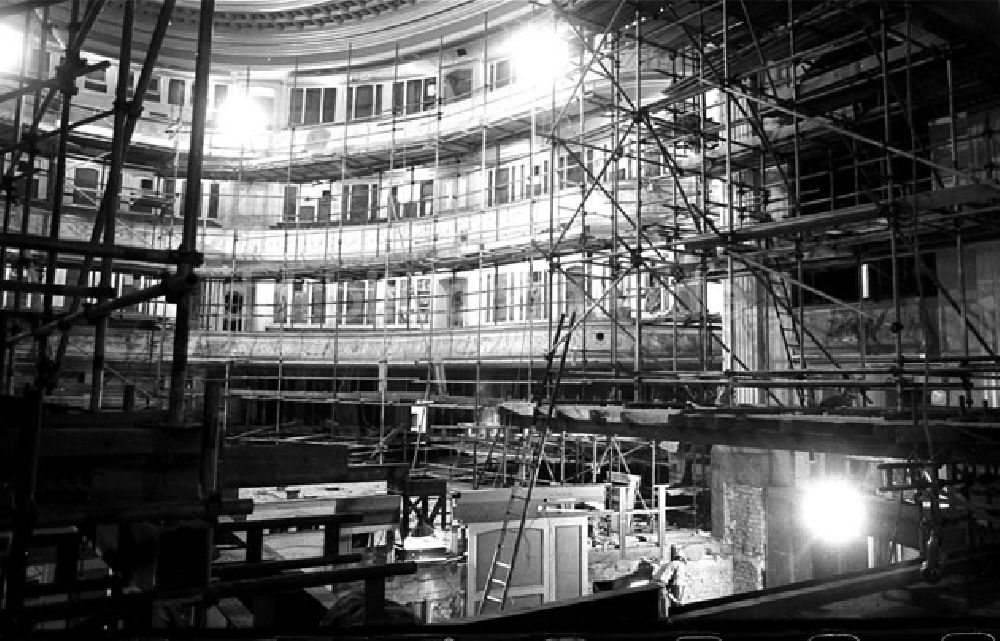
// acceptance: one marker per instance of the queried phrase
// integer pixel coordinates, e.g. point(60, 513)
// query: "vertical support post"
point(588, 264)
point(959, 245)
point(637, 258)
point(3, 333)
point(553, 185)
point(562, 459)
point(623, 521)
point(7, 355)
point(192, 205)
point(475, 459)
point(67, 87)
point(209, 473)
point(110, 200)
point(963, 296)
point(652, 463)
point(593, 468)
point(728, 365)
point(862, 327)
point(661, 518)
point(613, 261)
point(29, 175)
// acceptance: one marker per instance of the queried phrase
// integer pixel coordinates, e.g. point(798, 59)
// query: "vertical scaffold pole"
point(110, 201)
point(636, 259)
point(192, 203)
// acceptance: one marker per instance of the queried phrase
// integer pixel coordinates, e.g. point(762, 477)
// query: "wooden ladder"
point(529, 460)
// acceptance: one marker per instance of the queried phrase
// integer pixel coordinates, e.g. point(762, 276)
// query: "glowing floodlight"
point(833, 511)
point(540, 55)
point(240, 118)
point(11, 43)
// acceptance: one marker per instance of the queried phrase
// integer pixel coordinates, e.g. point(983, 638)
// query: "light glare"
point(540, 55)
point(240, 117)
point(833, 511)
point(11, 44)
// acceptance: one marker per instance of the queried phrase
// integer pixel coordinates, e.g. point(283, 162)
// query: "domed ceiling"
point(308, 33)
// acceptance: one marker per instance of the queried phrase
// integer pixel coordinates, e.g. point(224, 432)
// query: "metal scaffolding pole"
point(192, 205)
point(110, 201)
point(141, 85)
point(637, 394)
point(7, 356)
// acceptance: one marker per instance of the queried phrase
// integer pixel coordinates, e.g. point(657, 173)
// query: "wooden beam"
point(255, 465)
point(949, 196)
point(835, 434)
point(310, 579)
point(103, 443)
point(226, 571)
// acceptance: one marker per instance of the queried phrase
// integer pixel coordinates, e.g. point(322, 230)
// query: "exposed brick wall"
point(710, 568)
point(745, 528)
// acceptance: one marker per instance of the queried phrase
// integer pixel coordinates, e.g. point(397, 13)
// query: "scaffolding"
point(772, 207)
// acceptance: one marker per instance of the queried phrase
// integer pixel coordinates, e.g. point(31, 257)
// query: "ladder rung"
point(503, 565)
point(498, 581)
point(493, 598)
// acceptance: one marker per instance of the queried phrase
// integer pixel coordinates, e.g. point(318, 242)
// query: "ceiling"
point(309, 34)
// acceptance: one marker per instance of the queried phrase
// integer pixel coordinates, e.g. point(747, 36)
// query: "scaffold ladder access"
point(529, 460)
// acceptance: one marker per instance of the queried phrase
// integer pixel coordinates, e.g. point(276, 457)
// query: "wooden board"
point(264, 465)
point(485, 506)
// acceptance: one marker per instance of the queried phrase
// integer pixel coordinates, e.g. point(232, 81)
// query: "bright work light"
point(11, 43)
point(540, 55)
point(240, 118)
point(833, 511)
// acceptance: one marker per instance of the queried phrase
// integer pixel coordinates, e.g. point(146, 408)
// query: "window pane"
point(291, 195)
point(318, 311)
point(359, 203)
point(298, 302)
point(153, 91)
point(500, 299)
point(426, 197)
point(414, 91)
point(175, 92)
point(295, 106)
point(501, 74)
point(391, 298)
point(458, 84)
point(313, 98)
point(363, 101)
point(325, 205)
point(397, 98)
point(329, 104)
point(280, 298)
point(85, 186)
point(402, 303)
point(213, 201)
point(430, 92)
point(500, 186)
